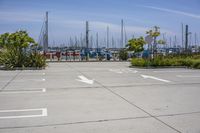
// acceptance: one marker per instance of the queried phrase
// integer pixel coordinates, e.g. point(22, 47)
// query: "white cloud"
point(129, 28)
point(174, 11)
point(99, 26)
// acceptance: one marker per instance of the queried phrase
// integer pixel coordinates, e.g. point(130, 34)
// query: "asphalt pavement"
point(100, 97)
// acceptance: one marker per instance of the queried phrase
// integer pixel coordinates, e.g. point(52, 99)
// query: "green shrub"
point(35, 60)
point(181, 60)
point(12, 58)
point(139, 62)
point(196, 64)
point(19, 50)
point(9, 58)
point(185, 62)
point(123, 55)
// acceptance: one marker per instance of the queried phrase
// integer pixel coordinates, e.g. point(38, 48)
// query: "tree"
point(136, 44)
point(19, 40)
point(16, 44)
point(19, 50)
point(4, 40)
point(154, 33)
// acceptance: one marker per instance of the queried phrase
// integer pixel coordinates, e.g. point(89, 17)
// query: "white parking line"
point(32, 74)
point(37, 80)
point(188, 76)
point(44, 113)
point(38, 90)
point(25, 80)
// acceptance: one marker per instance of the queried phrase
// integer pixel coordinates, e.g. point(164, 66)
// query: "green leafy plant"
point(19, 50)
point(190, 61)
point(139, 62)
point(123, 55)
point(136, 44)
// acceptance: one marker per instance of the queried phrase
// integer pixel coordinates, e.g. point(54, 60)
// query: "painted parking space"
point(97, 95)
point(23, 113)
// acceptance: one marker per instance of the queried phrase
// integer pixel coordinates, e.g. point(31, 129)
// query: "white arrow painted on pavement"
point(85, 80)
point(151, 77)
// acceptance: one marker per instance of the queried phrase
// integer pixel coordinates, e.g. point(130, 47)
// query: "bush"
point(36, 60)
point(160, 61)
point(11, 58)
point(196, 64)
point(185, 62)
point(19, 50)
point(139, 62)
point(123, 55)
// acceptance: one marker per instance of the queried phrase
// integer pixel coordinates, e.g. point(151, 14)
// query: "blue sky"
point(67, 17)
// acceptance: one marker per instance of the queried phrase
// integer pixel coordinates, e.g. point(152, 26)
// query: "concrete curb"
point(20, 68)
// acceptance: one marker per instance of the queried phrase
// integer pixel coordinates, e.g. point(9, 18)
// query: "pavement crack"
point(178, 114)
point(78, 122)
point(97, 121)
point(126, 100)
point(139, 108)
point(13, 78)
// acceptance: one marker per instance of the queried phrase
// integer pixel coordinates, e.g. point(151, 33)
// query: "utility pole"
point(122, 33)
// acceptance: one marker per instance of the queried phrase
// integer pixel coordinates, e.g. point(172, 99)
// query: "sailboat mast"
point(122, 33)
point(107, 37)
point(182, 29)
point(46, 42)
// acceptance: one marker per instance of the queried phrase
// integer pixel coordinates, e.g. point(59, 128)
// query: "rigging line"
point(41, 35)
point(41, 30)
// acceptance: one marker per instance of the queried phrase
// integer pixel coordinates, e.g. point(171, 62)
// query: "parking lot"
point(100, 97)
